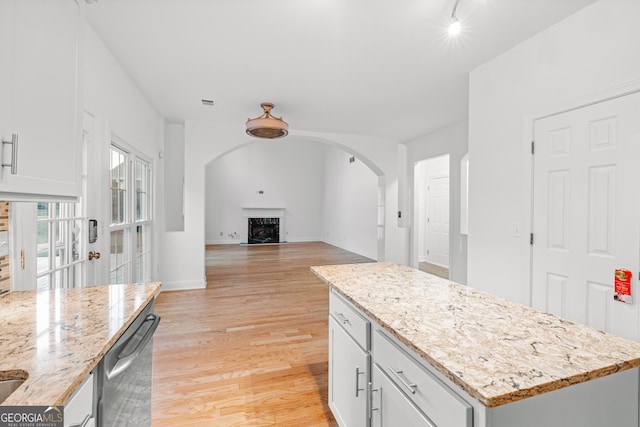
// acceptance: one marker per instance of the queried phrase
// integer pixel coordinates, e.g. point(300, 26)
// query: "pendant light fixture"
point(267, 126)
point(454, 25)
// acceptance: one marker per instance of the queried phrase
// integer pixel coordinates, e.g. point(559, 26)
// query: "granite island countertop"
point(496, 350)
point(55, 338)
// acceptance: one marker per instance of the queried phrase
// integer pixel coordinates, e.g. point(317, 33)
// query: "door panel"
point(348, 373)
point(586, 216)
point(438, 220)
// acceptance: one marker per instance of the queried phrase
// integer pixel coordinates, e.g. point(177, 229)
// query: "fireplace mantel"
point(263, 212)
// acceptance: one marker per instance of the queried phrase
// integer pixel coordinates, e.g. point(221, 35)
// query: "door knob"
point(93, 255)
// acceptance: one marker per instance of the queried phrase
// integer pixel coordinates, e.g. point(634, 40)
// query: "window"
point(130, 253)
point(59, 261)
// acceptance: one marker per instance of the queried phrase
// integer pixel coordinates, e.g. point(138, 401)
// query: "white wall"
point(451, 140)
point(110, 93)
point(182, 263)
point(350, 212)
point(119, 108)
point(593, 50)
point(291, 175)
point(173, 159)
point(326, 197)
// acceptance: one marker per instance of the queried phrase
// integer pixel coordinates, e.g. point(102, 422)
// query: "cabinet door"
point(43, 97)
point(348, 376)
point(390, 407)
point(78, 410)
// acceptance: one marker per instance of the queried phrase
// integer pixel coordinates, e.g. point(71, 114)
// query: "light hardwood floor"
point(251, 349)
point(434, 269)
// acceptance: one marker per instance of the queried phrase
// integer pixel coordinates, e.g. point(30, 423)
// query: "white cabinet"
point(78, 410)
point(390, 407)
point(349, 363)
point(440, 404)
point(374, 382)
point(40, 98)
point(405, 390)
point(348, 378)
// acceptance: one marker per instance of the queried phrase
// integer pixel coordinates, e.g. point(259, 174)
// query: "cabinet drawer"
point(435, 399)
point(390, 407)
point(352, 322)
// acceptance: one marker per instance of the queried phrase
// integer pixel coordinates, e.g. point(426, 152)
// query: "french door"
point(130, 227)
point(50, 238)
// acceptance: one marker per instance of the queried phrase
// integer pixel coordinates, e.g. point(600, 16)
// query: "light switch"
point(4, 243)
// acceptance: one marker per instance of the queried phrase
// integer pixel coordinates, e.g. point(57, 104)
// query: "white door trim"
point(528, 136)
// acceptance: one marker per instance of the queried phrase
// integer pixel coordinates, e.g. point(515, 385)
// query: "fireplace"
point(264, 226)
point(263, 230)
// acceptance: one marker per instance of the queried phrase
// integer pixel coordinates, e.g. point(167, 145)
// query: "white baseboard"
point(238, 241)
point(222, 242)
point(303, 239)
point(351, 249)
point(182, 285)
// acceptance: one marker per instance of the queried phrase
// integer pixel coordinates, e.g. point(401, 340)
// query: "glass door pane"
point(118, 176)
point(117, 256)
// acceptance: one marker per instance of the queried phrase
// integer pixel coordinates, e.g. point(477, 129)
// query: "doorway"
point(431, 204)
point(586, 213)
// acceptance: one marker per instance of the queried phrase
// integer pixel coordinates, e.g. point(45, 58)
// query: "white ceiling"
point(375, 67)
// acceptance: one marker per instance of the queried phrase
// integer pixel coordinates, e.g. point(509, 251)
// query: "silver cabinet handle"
point(342, 318)
point(379, 408)
point(358, 373)
point(14, 153)
point(400, 375)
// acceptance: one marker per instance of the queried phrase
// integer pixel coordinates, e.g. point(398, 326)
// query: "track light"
point(454, 26)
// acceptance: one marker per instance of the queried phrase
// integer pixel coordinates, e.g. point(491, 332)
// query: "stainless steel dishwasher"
point(124, 375)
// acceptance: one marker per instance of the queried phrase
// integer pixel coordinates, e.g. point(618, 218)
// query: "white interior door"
point(586, 213)
point(438, 220)
point(95, 142)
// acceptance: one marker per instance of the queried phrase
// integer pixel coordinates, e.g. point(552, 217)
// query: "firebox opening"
point(264, 230)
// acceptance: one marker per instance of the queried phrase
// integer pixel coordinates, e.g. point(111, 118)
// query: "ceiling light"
point(267, 126)
point(454, 26)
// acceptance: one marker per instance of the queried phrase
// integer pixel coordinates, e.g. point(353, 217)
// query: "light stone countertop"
point(496, 350)
point(55, 338)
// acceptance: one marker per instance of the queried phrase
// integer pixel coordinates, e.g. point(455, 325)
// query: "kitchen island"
point(53, 339)
point(498, 361)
